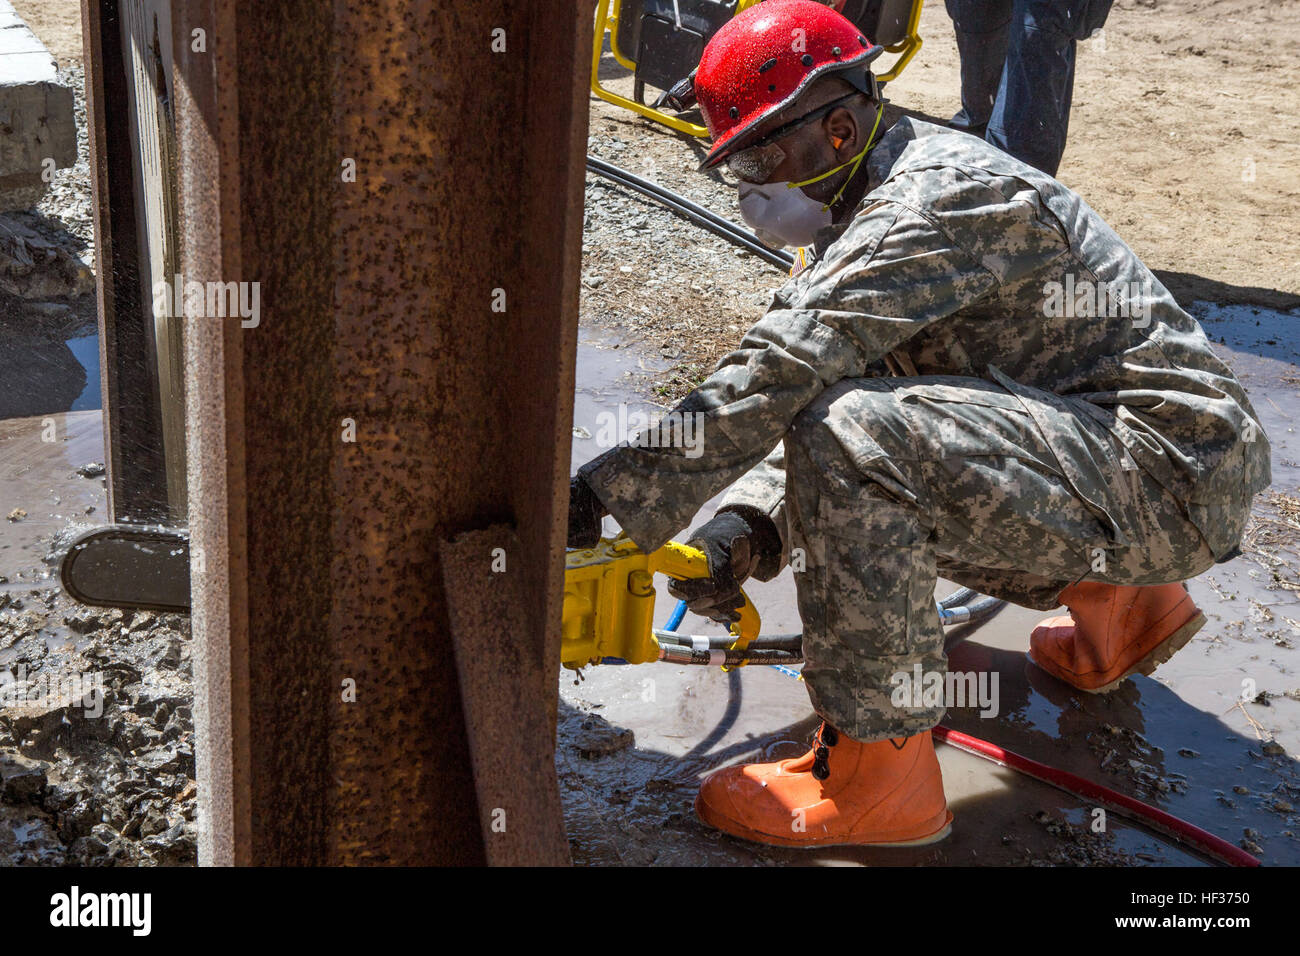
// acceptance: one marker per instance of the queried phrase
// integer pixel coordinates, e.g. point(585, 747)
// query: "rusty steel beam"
point(512, 740)
point(317, 559)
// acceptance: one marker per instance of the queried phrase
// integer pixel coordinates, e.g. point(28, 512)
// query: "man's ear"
point(842, 129)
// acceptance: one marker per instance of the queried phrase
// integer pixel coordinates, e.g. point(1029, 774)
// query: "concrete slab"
point(37, 118)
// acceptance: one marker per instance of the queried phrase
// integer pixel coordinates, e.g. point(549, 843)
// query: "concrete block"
point(37, 116)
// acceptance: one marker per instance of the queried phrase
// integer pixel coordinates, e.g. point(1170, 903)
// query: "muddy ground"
point(96, 748)
point(1184, 137)
point(1211, 737)
point(96, 736)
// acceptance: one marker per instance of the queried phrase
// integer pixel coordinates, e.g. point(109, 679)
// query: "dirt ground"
point(1184, 136)
point(57, 23)
point(1195, 163)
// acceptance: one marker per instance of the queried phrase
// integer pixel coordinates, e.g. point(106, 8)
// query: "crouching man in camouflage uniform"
point(975, 376)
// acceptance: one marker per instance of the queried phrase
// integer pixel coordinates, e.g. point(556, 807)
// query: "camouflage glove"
point(734, 544)
point(585, 514)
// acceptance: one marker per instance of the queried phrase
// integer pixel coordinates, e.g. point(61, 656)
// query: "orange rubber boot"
point(840, 793)
point(1114, 631)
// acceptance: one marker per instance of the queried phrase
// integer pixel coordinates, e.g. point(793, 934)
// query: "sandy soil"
point(1171, 106)
point(57, 23)
point(1183, 136)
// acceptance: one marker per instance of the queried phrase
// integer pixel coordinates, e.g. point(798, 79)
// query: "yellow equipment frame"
point(905, 48)
point(609, 599)
point(607, 14)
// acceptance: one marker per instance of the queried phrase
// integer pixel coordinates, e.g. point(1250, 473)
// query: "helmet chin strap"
point(855, 162)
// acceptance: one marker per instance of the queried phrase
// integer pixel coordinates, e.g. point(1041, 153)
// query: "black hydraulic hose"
point(605, 168)
point(984, 608)
point(677, 654)
point(792, 643)
point(724, 229)
point(693, 211)
point(959, 597)
point(655, 191)
point(978, 610)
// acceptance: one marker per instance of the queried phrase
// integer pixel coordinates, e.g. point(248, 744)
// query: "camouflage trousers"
point(892, 481)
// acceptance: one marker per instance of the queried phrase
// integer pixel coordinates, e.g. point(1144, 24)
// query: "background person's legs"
point(886, 478)
point(982, 27)
point(1031, 116)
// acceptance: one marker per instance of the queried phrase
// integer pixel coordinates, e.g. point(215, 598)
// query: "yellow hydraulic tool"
point(609, 599)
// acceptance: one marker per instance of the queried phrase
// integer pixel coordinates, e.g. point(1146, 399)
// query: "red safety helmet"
point(764, 59)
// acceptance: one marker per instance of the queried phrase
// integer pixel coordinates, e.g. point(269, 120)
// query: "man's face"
point(808, 148)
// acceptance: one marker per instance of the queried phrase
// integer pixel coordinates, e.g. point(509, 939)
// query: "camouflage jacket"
point(959, 260)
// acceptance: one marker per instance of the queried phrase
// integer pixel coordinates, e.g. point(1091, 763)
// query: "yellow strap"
point(855, 161)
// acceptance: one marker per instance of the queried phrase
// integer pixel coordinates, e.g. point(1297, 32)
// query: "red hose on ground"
point(1157, 819)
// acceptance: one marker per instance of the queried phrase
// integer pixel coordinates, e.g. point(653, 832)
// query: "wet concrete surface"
point(634, 742)
point(42, 458)
point(87, 777)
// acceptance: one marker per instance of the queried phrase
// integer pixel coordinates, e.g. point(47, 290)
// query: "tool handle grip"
point(682, 561)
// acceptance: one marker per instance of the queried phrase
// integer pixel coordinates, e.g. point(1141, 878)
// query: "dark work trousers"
point(1017, 71)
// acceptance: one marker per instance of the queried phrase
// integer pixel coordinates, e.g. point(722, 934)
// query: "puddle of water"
point(612, 375)
point(39, 458)
point(86, 351)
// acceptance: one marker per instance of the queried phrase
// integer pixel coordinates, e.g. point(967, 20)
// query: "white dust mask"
point(781, 215)
point(785, 213)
